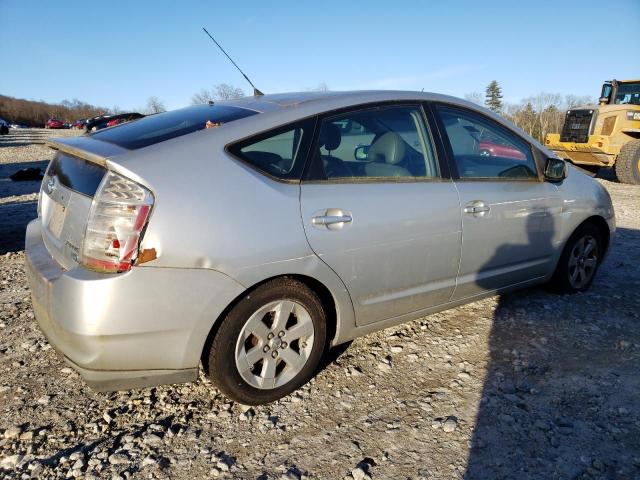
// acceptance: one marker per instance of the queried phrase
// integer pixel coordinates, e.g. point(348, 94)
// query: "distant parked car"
point(79, 124)
point(4, 127)
point(104, 121)
point(54, 123)
point(498, 150)
point(251, 235)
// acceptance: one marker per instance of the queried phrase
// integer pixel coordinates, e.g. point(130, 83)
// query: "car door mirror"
point(361, 152)
point(555, 170)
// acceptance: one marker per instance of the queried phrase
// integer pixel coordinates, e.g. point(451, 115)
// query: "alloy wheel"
point(274, 344)
point(583, 261)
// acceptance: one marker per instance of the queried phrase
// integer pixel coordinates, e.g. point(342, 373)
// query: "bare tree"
point(221, 91)
point(571, 101)
point(204, 96)
point(475, 97)
point(224, 91)
point(154, 105)
point(547, 107)
point(321, 87)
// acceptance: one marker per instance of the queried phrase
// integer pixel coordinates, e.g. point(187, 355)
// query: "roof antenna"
point(256, 92)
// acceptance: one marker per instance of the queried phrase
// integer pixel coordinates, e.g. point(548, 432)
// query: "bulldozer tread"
point(627, 165)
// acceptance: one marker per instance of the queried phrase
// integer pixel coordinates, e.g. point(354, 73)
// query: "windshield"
point(165, 126)
point(628, 93)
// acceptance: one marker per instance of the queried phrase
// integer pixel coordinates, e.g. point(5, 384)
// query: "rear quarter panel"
point(212, 211)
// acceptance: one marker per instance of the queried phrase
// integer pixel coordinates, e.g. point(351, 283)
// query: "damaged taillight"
point(118, 217)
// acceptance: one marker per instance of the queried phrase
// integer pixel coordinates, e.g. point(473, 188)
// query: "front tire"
point(627, 164)
point(269, 344)
point(579, 261)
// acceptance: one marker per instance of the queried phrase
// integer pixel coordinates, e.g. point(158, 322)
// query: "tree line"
point(537, 115)
point(35, 113)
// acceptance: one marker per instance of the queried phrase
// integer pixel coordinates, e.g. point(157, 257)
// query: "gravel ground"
point(528, 385)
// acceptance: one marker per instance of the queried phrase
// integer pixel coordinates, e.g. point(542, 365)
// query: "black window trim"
point(233, 148)
point(440, 161)
point(433, 106)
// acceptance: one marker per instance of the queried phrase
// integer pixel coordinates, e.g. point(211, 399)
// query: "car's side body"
point(220, 227)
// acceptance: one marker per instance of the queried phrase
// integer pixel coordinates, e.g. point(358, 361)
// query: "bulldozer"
point(606, 135)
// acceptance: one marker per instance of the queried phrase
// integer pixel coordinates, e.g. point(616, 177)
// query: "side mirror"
point(555, 170)
point(361, 152)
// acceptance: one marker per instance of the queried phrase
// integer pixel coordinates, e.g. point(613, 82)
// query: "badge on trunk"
point(51, 185)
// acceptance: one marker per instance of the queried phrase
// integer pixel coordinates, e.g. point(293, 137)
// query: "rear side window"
point(165, 126)
point(280, 152)
point(380, 143)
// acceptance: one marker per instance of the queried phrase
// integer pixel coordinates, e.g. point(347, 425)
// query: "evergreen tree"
point(493, 97)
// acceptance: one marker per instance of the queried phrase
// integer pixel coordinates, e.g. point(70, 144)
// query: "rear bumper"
point(141, 328)
point(597, 150)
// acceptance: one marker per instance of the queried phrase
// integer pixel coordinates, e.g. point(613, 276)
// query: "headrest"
point(388, 148)
point(330, 136)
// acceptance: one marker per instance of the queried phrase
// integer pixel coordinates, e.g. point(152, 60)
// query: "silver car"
point(252, 235)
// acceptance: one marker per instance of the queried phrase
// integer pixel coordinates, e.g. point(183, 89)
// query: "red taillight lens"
point(118, 216)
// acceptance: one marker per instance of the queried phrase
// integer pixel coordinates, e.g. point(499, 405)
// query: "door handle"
point(477, 208)
point(331, 219)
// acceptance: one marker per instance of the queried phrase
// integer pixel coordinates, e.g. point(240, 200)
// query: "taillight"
point(118, 216)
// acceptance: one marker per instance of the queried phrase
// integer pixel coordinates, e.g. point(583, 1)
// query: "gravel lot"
point(528, 385)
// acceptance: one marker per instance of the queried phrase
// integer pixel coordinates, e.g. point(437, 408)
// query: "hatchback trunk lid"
point(66, 194)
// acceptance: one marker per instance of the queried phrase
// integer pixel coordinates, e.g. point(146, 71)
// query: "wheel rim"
point(274, 344)
point(583, 261)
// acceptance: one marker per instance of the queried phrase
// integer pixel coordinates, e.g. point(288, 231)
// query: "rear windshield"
point(77, 174)
point(165, 126)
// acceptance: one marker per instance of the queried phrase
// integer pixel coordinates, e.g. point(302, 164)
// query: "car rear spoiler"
point(94, 151)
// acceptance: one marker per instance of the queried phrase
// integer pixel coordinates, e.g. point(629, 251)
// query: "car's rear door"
point(386, 222)
point(510, 215)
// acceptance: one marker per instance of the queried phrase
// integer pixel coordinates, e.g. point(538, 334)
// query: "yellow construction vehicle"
point(607, 135)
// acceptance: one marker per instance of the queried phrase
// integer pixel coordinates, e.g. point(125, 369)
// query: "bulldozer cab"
point(620, 93)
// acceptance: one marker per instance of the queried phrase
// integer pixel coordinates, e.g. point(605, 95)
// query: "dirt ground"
point(529, 386)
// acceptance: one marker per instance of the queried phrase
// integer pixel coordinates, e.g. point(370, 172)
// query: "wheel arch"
point(328, 300)
point(602, 226)
point(599, 222)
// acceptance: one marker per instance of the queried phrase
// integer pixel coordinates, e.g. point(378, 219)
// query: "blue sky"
point(121, 52)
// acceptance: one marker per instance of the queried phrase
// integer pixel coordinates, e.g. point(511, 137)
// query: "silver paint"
point(387, 252)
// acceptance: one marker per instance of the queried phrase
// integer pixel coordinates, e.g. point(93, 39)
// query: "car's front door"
point(510, 216)
point(380, 214)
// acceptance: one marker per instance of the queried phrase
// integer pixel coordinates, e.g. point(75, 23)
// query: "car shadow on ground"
point(17, 212)
point(559, 398)
point(15, 217)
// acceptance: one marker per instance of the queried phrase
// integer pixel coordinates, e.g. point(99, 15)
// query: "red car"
point(496, 150)
point(53, 123)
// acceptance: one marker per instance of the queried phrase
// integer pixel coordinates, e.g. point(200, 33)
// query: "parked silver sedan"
point(251, 235)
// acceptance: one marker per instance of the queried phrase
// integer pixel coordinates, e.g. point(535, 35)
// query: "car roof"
point(328, 100)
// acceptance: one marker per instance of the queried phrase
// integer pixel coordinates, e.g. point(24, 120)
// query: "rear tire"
point(627, 164)
point(258, 356)
point(579, 261)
